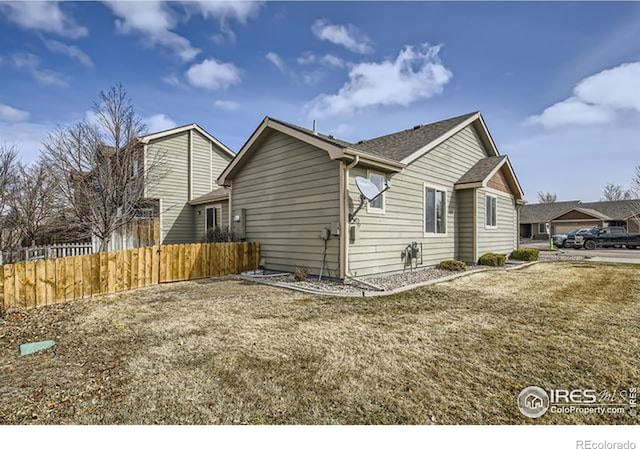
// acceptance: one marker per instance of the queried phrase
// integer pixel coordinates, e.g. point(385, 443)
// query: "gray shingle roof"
point(481, 169)
point(395, 146)
point(324, 137)
point(221, 193)
point(543, 212)
point(614, 210)
point(617, 210)
point(399, 145)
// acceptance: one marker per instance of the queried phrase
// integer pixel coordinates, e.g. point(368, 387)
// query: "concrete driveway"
point(619, 255)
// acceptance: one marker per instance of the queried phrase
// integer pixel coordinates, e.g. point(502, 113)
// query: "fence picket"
point(26, 285)
point(9, 292)
point(41, 285)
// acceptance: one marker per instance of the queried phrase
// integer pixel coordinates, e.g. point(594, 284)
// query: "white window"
point(377, 205)
point(542, 228)
point(491, 211)
point(435, 210)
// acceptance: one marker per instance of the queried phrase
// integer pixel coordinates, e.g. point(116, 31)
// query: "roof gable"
point(488, 170)
point(193, 126)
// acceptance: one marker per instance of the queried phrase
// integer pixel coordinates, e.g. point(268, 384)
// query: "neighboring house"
point(189, 199)
point(565, 216)
point(293, 190)
point(184, 198)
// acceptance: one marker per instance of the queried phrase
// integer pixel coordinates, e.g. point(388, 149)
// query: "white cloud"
point(596, 99)
point(155, 21)
point(413, 75)
point(226, 105)
point(172, 80)
point(69, 50)
point(213, 75)
point(11, 114)
point(346, 35)
point(42, 16)
point(239, 10)
point(30, 64)
point(572, 111)
point(328, 59)
point(159, 122)
point(276, 60)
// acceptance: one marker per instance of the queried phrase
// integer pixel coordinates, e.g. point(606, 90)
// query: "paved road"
point(599, 255)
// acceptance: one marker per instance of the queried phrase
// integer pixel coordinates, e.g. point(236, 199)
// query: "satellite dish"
point(368, 189)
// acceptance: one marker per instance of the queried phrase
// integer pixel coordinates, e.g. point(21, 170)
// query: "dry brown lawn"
point(232, 352)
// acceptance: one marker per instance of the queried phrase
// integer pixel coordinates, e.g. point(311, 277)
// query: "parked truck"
point(612, 236)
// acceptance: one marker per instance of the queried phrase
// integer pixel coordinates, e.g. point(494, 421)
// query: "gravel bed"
point(324, 285)
point(397, 280)
point(386, 283)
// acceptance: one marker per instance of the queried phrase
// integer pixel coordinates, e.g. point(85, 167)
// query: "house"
point(189, 200)
point(452, 193)
point(183, 199)
point(564, 216)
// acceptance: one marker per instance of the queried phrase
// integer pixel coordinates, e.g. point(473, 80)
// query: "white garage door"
point(564, 227)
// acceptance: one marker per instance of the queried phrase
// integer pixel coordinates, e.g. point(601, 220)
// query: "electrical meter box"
point(335, 228)
point(238, 223)
point(353, 233)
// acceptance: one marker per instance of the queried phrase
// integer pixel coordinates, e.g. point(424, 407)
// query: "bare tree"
point(100, 166)
point(33, 202)
point(614, 192)
point(634, 194)
point(547, 197)
point(8, 164)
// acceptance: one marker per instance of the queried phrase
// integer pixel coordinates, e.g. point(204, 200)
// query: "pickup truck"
point(608, 237)
point(569, 240)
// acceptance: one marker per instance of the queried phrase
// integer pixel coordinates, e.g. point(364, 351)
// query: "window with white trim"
point(542, 228)
point(212, 218)
point(435, 210)
point(379, 180)
point(491, 211)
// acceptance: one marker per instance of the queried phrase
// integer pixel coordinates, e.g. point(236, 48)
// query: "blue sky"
point(558, 83)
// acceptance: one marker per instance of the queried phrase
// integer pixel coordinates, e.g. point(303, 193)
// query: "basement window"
point(435, 211)
point(491, 208)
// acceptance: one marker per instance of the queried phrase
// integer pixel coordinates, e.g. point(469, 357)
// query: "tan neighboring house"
point(564, 216)
point(189, 200)
point(452, 195)
point(184, 199)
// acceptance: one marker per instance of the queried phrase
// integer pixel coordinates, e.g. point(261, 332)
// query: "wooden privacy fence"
point(26, 285)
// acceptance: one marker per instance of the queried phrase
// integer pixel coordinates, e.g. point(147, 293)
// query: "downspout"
point(344, 235)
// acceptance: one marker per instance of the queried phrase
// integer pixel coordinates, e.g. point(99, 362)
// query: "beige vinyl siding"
point(382, 237)
point(173, 187)
point(200, 217)
point(502, 239)
point(290, 192)
point(464, 225)
point(201, 169)
point(178, 218)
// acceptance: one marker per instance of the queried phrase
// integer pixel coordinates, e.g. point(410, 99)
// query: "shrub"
point(452, 265)
point(526, 254)
point(301, 274)
point(492, 260)
point(218, 234)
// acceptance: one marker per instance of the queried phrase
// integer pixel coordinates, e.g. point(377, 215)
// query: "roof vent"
point(330, 136)
point(314, 127)
point(361, 141)
point(417, 127)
